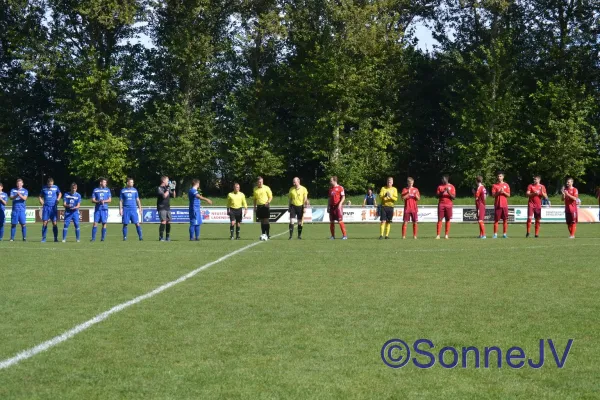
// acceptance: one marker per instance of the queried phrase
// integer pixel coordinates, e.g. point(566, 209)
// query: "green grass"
point(298, 319)
point(355, 200)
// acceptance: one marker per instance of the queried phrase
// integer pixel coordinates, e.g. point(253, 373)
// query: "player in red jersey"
point(335, 207)
point(501, 193)
point(536, 192)
point(411, 196)
point(480, 196)
point(570, 196)
point(446, 193)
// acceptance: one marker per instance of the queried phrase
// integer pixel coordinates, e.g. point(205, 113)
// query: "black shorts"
point(262, 212)
point(297, 212)
point(235, 214)
point(387, 214)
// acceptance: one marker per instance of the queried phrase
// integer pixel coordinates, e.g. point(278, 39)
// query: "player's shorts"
point(387, 214)
point(480, 213)
point(235, 215)
point(411, 216)
point(335, 214)
point(500, 213)
point(130, 216)
point(18, 217)
point(164, 215)
point(572, 217)
point(534, 211)
point(71, 216)
point(263, 212)
point(444, 211)
point(195, 217)
point(297, 212)
point(49, 213)
point(101, 216)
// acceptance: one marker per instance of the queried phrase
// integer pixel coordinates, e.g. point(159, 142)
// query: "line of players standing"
point(130, 207)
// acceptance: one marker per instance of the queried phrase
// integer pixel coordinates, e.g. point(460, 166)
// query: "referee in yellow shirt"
point(298, 197)
point(262, 199)
point(236, 202)
point(388, 195)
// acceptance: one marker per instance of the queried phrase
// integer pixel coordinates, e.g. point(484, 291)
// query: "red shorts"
point(501, 213)
point(534, 211)
point(571, 217)
point(480, 213)
point(411, 215)
point(335, 214)
point(444, 211)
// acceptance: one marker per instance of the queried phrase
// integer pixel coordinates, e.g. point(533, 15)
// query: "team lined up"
point(130, 207)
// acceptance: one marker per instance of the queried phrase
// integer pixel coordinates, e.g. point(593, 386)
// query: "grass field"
point(298, 319)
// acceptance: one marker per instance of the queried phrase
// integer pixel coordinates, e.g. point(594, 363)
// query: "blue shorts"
point(130, 216)
point(101, 216)
point(18, 217)
point(49, 213)
point(71, 216)
point(195, 217)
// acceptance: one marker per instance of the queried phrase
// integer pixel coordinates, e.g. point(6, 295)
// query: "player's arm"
point(270, 199)
point(22, 196)
point(109, 199)
point(41, 199)
point(120, 205)
point(94, 200)
point(394, 195)
point(405, 195)
point(529, 193)
point(418, 195)
point(76, 207)
point(139, 204)
point(451, 193)
point(305, 200)
point(544, 192)
point(507, 192)
point(209, 201)
point(342, 198)
point(494, 192)
point(59, 195)
point(365, 201)
point(2, 200)
point(245, 205)
point(439, 192)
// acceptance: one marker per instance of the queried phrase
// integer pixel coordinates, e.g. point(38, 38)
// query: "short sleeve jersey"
point(297, 196)
point(443, 195)
point(410, 204)
point(500, 201)
point(480, 196)
point(335, 195)
point(101, 194)
point(18, 204)
point(571, 205)
point(50, 195)
point(129, 197)
point(538, 191)
point(71, 200)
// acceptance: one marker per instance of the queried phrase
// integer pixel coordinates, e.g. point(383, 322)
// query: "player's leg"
point(197, 231)
point(440, 213)
point(168, 227)
point(125, 221)
point(54, 219)
point(23, 222)
point(97, 218)
point(66, 225)
point(232, 224)
point(75, 217)
point(14, 219)
point(340, 218)
point(448, 216)
point(497, 214)
point(405, 220)
point(2, 220)
point(292, 212)
point(45, 218)
point(382, 219)
point(135, 219)
point(388, 221)
point(529, 218)
point(104, 215)
point(300, 217)
point(192, 228)
point(505, 221)
point(238, 224)
point(538, 218)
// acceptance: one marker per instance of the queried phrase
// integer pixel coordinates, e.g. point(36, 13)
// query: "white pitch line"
point(25, 354)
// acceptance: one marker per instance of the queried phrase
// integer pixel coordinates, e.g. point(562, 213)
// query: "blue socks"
point(191, 232)
point(139, 231)
point(194, 232)
point(44, 230)
point(24, 231)
point(197, 229)
point(1, 231)
point(124, 231)
point(65, 229)
point(94, 230)
point(55, 231)
point(103, 234)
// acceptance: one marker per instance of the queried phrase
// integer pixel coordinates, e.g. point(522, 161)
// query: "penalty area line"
point(26, 354)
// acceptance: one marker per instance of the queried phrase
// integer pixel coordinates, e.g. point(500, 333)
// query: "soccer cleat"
point(290, 238)
point(55, 240)
point(527, 235)
point(537, 236)
point(125, 239)
point(437, 237)
point(495, 236)
point(12, 240)
point(504, 236)
point(161, 239)
point(78, 240)
point(24, 239)
point(414, 237)
point(141, 239)
point(387, 237)
point(483, 237)
point(43, 241)
point(231, 237)
point(102, 240)
point(346, 237)
point(446, 237)
point(571, 237)
point(380, 237)
point(237, 238)
point(403, 237)
point(92, 240)
point(168, 239)
point(64, 241)
point(330, 238)
point(299, 237)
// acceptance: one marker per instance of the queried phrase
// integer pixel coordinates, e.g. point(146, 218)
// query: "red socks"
point(439, 228)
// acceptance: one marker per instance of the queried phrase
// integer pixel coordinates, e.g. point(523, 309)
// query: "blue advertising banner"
point(178, 215)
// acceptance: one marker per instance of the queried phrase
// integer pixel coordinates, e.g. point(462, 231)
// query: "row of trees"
point(228, 90)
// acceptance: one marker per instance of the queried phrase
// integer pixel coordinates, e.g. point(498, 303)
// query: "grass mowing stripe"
point(25, 354)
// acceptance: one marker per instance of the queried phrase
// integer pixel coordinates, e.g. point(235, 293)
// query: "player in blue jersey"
point(195, 199)
point(129, 204)
point(71, 202)
point(19, 197)
point(49, 199)
point(101, 198)
point(3, 203)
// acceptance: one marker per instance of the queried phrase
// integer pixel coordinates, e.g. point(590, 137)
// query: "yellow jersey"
point(297, 196)
point(262, 195)
point(388, 201)
point(236, 200)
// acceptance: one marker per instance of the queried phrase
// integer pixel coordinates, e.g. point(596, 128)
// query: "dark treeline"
point(226, 90)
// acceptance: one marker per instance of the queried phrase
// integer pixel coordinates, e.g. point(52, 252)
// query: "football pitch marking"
point(25, 354)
